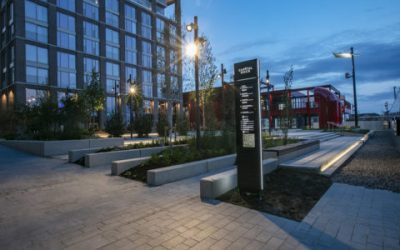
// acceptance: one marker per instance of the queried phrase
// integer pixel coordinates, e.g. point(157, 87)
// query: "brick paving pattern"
point(49, 204)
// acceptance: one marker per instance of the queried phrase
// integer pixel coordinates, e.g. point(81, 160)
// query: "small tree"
point(143, 124)
point(287, 100)
point(182, 124)
point(73, 117)
point(162, 124)
point(115, 125)
point(94, 97)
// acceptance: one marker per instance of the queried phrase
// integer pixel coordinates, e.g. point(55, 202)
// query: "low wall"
point(156, 177)
point(287, 152)
point(371, 125)
point(397, 142)
point(118, 167)
point(51, 148)
point(74, 155)
point(213, 186)
point(106, 158)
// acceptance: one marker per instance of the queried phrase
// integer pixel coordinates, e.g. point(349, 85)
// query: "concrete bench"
point(156, 177)
point(215, 185)
point(74, 155)
point(288, 152)
point(118, 167)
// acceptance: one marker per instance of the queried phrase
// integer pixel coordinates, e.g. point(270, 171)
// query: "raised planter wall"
point(213, 186)
point(165, 175)
point(118, 167)
point(51, 148)
point(287, 152)
point(106, 158)
point(74, 155)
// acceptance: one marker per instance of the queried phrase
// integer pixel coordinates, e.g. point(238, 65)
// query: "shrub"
point(143, 124)
point(182, 125)
point(162, 125)
point(115, 125)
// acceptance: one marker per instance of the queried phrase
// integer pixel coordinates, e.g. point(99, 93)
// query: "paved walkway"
point(49, 204)
point(328, 150)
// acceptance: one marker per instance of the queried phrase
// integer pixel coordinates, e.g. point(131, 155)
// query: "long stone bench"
point(215, 185)
point(106, 158)
point(156, 177)
point(287, 152)
point(52, 148)
point(118, 167)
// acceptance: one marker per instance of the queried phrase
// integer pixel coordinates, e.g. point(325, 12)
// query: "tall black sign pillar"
point(248, 127)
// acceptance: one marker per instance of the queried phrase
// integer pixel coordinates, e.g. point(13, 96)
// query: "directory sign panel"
point(248, 126)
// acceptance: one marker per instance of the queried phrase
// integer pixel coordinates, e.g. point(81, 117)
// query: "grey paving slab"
point(328, 150)
point(50, 204)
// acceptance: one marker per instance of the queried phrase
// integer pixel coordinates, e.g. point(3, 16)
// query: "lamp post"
point(132, 92)
point(116, 109)
point(353, 75)
point(269, 86)
point(195, 28)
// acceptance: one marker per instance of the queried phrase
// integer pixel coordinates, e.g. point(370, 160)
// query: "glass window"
point(32, 96)
point(90, 65)
point(36, 65)
point(66, 4)
point(35, 12)
point(174, 62)
point(147, 86)
point(130, 19)
point(161, 87)
point(91, 9)
point(130, 50)
point(112, 75)
point(91, 38)
point(65, 31)
point(112, 44)
point(110, 105)
point(160, 30)
point(146, 54)
point(66, 74)
point(161, 58)
point(35, 22)
point(146, 25)
point(112, 12)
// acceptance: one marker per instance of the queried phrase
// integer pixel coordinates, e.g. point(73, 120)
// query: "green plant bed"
point(154, 143)
point(270, 142)
point(170, 157)
point(290, 194)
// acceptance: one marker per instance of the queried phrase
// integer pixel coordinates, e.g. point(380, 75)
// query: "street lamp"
point(349, 55)
point(195, 27)
point(132, 93)
point(268, 86)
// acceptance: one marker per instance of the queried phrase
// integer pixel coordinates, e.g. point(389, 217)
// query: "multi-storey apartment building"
point(52, 46)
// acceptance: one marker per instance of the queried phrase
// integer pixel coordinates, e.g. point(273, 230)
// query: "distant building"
point(51, 47)
point(314, 107)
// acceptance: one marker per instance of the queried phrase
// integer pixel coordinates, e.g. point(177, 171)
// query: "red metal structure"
point(312, 107)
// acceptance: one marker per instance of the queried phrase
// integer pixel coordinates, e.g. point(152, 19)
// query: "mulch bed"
point(287, 193)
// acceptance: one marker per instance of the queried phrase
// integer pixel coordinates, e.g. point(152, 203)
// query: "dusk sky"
point(304, 34)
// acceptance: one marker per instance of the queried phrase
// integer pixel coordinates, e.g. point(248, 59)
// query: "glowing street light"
point(132, 93)
point(349, 55)
point(193, 49)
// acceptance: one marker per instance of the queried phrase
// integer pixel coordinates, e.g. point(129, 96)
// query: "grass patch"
point(290, 194)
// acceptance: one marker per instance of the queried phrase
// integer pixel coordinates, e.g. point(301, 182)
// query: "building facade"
point(52, 47)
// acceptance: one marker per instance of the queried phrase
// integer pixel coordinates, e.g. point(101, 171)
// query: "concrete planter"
point(165, 175)
point(287, 152)
point(52, 148)
point(213, 186)
point(74, 155)
point(106, 158)
point(118, 167)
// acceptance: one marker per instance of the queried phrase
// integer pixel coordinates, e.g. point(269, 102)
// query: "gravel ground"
point(375, 165)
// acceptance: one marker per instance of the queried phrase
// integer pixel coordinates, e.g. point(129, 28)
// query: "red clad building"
point(312, 107)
